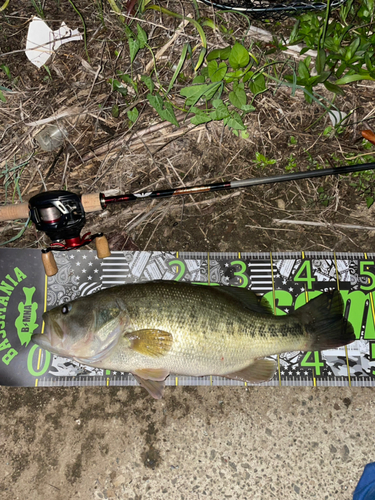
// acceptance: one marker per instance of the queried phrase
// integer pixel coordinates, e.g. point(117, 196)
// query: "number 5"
point(370, 275)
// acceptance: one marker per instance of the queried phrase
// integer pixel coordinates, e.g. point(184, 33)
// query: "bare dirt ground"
point(206, 442)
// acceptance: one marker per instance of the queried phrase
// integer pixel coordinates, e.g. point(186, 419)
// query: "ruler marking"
point(274, 311)
point(208, 268)
point(39, 358)
point(346, 347)
point(307, 299)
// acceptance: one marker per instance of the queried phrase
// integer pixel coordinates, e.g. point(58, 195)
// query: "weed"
point(292, 164)
point(324, 198)
point(39, 8)
point(262, 161)
point(345, 53)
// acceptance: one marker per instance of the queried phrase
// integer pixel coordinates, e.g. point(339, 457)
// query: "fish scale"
point(204, 345)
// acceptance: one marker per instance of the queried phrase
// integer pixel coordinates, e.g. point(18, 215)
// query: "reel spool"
point(61, 215)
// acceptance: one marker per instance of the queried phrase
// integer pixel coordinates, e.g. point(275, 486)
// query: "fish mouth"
point(52, 338)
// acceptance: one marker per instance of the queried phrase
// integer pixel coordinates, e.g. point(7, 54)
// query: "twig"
point(161, 51)
point(75, 110)
point(322, 224)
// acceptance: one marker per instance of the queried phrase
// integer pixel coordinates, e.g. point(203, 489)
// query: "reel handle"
point(49, 262)
point(102, 247)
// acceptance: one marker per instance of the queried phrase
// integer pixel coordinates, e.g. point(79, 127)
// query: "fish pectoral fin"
point(260, 370)
point(150, 342)
point(154, 387)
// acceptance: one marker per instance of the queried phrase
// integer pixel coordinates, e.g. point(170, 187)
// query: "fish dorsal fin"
point(150, 342)
point(260, 370)
point(247, 298)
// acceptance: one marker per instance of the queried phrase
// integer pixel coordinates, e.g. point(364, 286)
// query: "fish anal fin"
point(154, 387)
point(150, 342)
point(261, 370)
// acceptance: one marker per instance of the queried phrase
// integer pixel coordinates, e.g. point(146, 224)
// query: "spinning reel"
point(61, 215)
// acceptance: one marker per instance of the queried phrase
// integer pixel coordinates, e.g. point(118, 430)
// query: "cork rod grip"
point(91, 202)
point(12, 212)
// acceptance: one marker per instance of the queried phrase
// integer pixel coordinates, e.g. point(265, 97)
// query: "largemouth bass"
point(157, 328)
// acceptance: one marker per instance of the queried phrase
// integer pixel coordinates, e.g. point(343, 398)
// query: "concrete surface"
point(196, 443)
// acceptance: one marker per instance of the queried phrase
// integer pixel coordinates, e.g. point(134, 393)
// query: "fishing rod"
point(61, 214)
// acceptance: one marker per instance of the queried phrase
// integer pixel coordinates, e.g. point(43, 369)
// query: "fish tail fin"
point(324, 323)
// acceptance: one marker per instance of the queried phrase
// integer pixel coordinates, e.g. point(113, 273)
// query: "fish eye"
point(66, 308)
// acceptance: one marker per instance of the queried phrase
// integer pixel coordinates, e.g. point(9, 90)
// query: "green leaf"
point(294, 34)
point(133, 114)
point(308, 97)
point(303, 71)
point(164, 109)
point(333, 88)
point(320, 61)
point(200, 58)
point(212, 89)
point(221, 110)
point(147, 80)
point(232, 76)
point(368, 61)
point(369, 201)
point(179, 66)
point(239, 56)
point(156, 101)
point(2, 97)
point(128, 32)
point(168, 114)
point(117, 86)
point(258, 85)
point(352, 49)
point(235, 122)
point(209, 23)
point(199, 79)
point(214, 54)
point(238, 96)
point(216, 72)
point(248, 108)
point(115, 111)
point(142, 36)
point(125, 78)
point(6, 70)
point(134, 47)
point(314, 80)
point(354, 78)
point(193, 93)
point(219, 54)
point(200, 118)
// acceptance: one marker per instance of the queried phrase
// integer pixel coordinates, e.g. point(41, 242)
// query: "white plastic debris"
point(42, 42)
point(336, 116)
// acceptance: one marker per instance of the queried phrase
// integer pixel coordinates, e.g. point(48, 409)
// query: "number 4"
point(306, 268)
point(317, 364)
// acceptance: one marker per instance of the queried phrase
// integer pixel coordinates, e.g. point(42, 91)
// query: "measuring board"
point(287, 280)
